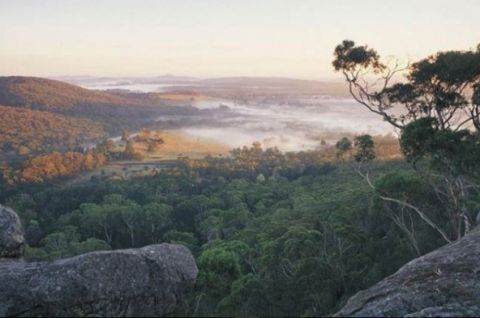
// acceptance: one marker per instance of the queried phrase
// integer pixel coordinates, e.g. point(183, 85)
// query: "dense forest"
point(27, 132)
point(297, 237)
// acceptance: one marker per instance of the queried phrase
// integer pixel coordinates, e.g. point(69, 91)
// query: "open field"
point(176, 144)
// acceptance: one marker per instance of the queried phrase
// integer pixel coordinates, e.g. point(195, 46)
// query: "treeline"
point(254, 159)
point(26, 132)
point(53, 165)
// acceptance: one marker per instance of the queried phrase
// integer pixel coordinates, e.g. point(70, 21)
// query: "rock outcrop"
point(149, 281)
point(11, 234)
point(443, 283)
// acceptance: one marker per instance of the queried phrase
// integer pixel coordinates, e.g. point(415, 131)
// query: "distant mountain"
point(261, 87)
point(221, 86)
point(249, 80)
point(175, 78)
point(276, 83)
point(161, 79)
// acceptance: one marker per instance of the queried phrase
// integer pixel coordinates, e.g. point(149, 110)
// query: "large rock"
point(150, 281)
point(11, 234)
point(445, 282)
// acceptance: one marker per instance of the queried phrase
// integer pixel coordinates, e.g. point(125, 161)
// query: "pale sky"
point(206, 38)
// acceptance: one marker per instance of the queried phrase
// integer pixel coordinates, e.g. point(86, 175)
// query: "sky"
point(211, 38)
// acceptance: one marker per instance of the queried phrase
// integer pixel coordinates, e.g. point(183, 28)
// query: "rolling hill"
point(25, 132)
point(114, 110)
point(51, 95)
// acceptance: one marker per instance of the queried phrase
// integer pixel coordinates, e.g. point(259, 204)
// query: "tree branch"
point(422, 215)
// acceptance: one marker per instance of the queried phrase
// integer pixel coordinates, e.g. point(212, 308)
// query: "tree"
point(219, 268)
point(436, 108)
point(91, 245)
point(96, 219)
point(404, 186)
point(150, 147)
point(145, 133)
point(158, 217)
point(343, 146)
point(127, 211)
point(439, 86)
point(131, 217)
point(125, 135)
point(106, 146)
point(365, 148)
point(129, 150)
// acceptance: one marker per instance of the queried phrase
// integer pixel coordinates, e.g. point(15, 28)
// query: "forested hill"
point(114, 110)
point(52, 95)
point(25, 131)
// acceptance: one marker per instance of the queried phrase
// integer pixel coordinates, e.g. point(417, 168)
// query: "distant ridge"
point(161, 79)
point(221, 86)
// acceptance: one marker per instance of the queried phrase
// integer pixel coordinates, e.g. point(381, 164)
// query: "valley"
point(197, 118)
point(289, 195)
point(211, 158)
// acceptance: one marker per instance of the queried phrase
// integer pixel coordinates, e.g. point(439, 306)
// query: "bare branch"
point(422, 215)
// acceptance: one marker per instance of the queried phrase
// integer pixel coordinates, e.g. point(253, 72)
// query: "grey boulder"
point(150, 281)
point(11, 234)
point(443, 283)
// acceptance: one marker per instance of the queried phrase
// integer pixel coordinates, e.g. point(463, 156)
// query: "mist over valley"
point(284, 113)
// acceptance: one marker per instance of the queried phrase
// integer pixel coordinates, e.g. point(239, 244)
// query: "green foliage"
point(349, 57)
point(185, 238)
point(220, 262)
point(446, 68)
point(437, 111)
point(64, 244)
point(436, 108)
point(415, 138)
point(343, 146)
point(438, 86)
point(365, 148)
point(455, 152)
point(400, 184)
point(92, 244)
point(296, 242)
point(159, 217)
